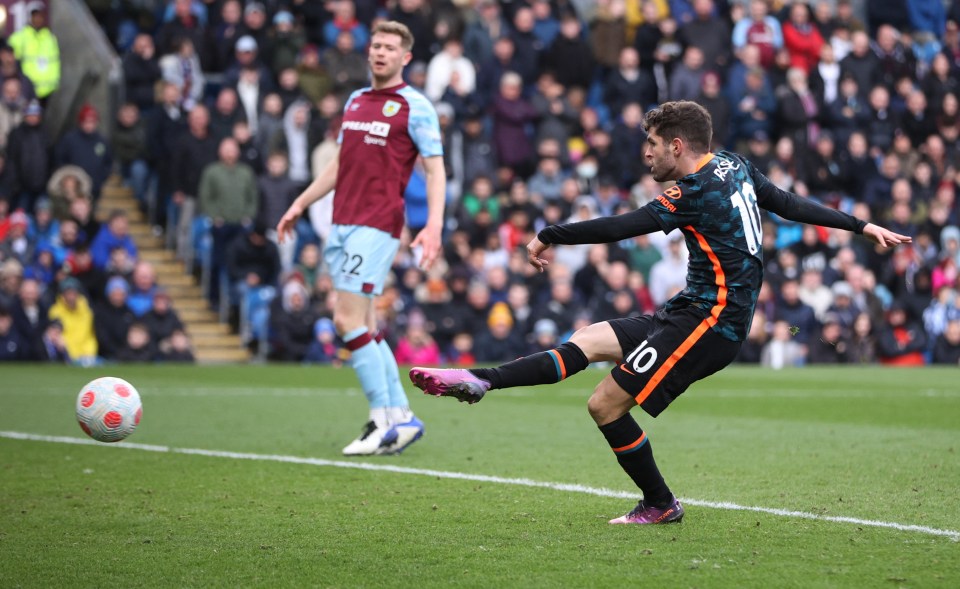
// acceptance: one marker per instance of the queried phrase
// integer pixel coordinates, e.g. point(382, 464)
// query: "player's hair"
point(392, 27)
point(682, 119)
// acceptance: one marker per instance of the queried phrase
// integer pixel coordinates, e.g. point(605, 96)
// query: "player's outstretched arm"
point(320, 187)
point(429, 237)
point(602, 230)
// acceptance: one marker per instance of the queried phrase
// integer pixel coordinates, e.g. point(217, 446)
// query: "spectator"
point(896, 60)
point(345, 20)
point(760, 30)
point(162, 320)
point(832, 346)
point(347, 68)
point(28, 159)
point(84, 146)
point(442, 67)
point(141, 72)
point(498, 342)
point(754, 111)
point(798, 315)
point(527, 46)
point(138, 346)
point(143, 289)
point(116, 233)
point(184, 26)
point(247, 59)
point(73, 312)
point(315, 80)
point(608, 32)
point(292, 323)
point(901, 342)
point(324, 349)
point(195, 151)
point(29, 311)
point(686, 77)
point(782, 351)
point(177, 348)
point(284, 42)
point(130, 142)
point(15, 245)
point(181, 67)
point(252, 262)
point(415, 15)
point(482, 32)
point(717, 105)
point(13, 103)
point(946, 350)
point(863, 345)
point(752, 348)
point(802, 39)
point(569, 55)
point(511, 114)
point(52, 346)
point(669, 275)
point(166, 124)
point(416, 347)
point(295, 142)
point(13, 347)
point(630, 82)
point(227, 194)
point(225, 35)
point(277, 191)
point(112, 319)
point(226, 112)
point(707, 32)
point(38, 52)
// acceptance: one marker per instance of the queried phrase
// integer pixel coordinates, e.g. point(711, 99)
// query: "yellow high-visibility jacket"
point(39, 56)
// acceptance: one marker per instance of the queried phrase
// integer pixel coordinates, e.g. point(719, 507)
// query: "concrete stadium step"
point(174, 279)
point(168, 268)
point(222, 356)
point(190, 315)
point(210, 340)
point(183, 292)
point(208, 328)
point(157, 256)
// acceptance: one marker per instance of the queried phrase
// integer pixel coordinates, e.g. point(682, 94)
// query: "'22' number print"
point(355, 259)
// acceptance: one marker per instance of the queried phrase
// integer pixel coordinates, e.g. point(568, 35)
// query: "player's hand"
point(534, 249)
point(429, 241)
point(288, 222)
point(884, 237)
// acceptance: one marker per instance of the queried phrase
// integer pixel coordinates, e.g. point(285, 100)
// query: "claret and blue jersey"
point(382, 133)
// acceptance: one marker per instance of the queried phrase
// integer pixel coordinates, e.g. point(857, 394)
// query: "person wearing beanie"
point(112, 318)
point(499, 343)
point(86, 147)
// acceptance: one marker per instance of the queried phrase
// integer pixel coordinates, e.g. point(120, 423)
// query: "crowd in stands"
point(231, 107)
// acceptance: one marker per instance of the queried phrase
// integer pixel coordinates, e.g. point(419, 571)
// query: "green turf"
point(873, 444)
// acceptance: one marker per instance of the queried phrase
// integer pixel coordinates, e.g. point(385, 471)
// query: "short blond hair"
point(392, 27)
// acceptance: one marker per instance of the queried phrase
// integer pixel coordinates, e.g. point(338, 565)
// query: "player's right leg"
point(594, 343)
point(347, 255)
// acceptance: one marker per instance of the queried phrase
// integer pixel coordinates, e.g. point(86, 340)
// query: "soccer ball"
point(108, 409)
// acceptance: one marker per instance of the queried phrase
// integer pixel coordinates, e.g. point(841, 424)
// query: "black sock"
point(547, 367)
point(635, 456)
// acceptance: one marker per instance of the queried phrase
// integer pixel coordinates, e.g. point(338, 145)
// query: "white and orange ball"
point(109, 409)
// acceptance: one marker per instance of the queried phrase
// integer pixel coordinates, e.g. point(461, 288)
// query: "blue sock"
point(398, 397)
point(367, 362)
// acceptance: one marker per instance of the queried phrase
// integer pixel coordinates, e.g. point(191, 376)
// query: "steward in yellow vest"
point(36, 49)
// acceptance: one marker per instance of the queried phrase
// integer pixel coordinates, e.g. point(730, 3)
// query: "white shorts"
point(359, 258)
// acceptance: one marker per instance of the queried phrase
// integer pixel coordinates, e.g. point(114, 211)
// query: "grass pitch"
point(868, 444)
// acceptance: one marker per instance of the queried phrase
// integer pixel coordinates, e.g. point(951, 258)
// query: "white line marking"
point(442, 474)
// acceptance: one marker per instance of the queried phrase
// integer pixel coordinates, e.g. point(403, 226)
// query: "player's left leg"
point(610, 407)
point(405, 427)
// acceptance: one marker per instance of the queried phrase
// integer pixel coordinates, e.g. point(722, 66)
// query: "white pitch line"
point(442, 474)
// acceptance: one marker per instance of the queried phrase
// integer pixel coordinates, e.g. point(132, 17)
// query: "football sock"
point(635, 456)
point(398, 403)
point(367, 362)
point(547, 367)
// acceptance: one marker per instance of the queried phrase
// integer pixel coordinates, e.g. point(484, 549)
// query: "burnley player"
point(385, 128)
point(716, 205)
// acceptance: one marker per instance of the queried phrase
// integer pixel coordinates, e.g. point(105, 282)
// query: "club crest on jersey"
point(390, 108)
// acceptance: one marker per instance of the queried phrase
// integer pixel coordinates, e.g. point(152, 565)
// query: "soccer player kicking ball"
point(385, 128)
point(715, 203)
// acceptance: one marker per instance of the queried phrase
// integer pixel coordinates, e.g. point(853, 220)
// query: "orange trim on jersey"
point(694, 337)
point(704, 160)
point(639, 441)
point(559, 361)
